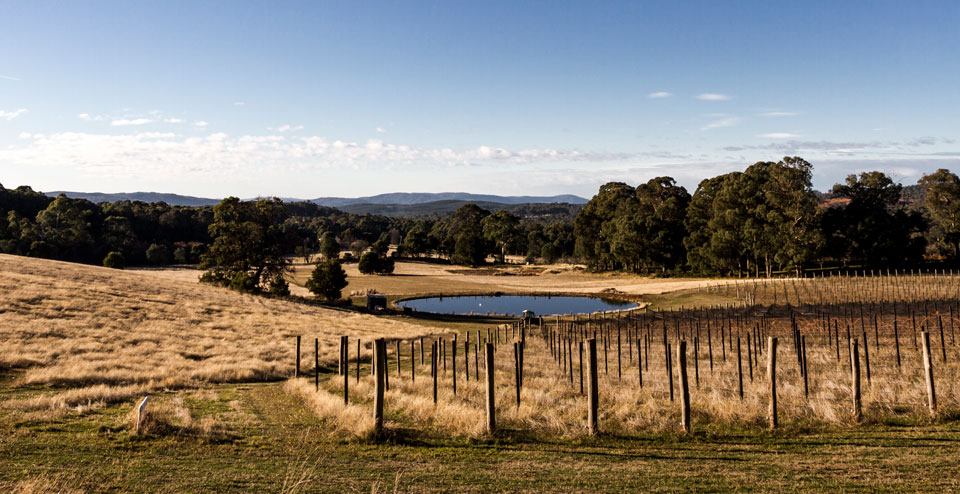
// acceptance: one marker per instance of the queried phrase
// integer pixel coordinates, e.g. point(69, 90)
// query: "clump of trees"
point(768, 218)
point(248, 247)
point(327, 280)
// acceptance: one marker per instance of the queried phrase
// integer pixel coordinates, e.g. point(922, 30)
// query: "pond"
point(514, 305)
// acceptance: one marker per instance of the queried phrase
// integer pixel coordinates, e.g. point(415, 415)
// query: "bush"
point(197, 252)
point(158, 254)
point(327, 280)
point(279, 286)
point(181, 256)
point(550, 252)
point(373, 263)
point(114, 260)
point(243, 282)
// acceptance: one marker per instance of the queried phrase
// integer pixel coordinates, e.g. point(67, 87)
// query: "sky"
point(313, 99)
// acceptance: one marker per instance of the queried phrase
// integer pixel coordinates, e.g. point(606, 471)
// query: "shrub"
point(181, 256)
point(243, 282)
point(114, 260)
point(158, 254)
point(327, 280)
point(550, 252)
point(373, 263)
point(279, 286)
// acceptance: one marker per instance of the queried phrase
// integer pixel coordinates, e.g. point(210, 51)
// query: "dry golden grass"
point(111, 336)
point(551, 404)
point(43, 485)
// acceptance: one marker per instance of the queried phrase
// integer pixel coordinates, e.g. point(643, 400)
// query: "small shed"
point(376, 302)
point(528, 314)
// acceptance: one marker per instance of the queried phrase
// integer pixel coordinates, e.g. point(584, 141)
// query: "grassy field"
point(81, 345)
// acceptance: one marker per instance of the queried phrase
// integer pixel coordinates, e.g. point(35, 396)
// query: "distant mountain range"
point(394, 199)
point(407, 198)
point(172, 199)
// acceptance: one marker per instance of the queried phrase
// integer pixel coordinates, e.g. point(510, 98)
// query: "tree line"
point(764, 219)
point(768, 218)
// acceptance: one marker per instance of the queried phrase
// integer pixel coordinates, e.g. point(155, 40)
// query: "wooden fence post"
point(928, 373)
point(855, 385)
point(739, 371)
point(806, 385)
point(772, 378)
point(516, 368)
point(669, 367)
point(593, 395)
point(491, 392)
point(380, 357)
point(316, 363)
point(434, 370)
point(453, 362)
point(580, 364)
point(346, 370)
point(296, 370)
point(684, 388)
point(639, 366)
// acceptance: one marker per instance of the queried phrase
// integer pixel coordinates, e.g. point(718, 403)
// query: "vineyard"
point(848, 350)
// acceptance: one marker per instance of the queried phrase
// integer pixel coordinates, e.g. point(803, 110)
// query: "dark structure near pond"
point(376, 302)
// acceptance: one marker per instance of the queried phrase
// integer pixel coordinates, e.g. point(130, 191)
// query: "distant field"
point(81, 345)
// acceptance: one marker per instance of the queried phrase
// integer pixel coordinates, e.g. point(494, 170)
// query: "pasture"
point(82, 345)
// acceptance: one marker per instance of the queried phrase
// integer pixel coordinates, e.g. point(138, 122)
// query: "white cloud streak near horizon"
point(713, 97)
point(124, 122)
point(148, 155)
point(10, 115)
point(659, 95)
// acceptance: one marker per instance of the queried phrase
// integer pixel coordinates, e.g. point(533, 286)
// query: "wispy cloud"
point(713, 97)
point(239, 103)
point(10, 78)
point(286, 128)
point(90, 118)
point(381, 130)
point(659, 95)
point(778, 114)
point(144, 153)
point(10, 115)
point(124, 122)
point(173, 120)
point(201, 123)
point(779, 135)
point(723, 122)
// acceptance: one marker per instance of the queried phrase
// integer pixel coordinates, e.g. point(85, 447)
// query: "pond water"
point(514, 305)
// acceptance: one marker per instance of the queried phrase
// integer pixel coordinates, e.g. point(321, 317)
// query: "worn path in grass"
point(270, 439)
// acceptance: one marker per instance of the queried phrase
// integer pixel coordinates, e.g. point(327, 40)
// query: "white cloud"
point(10, 115)
point(173, 120)
point(723, 122)
point(779, 135)
point(200, 123)
point(10, 78)
point(168, 154)
point(123, 122)
point(659, 95)
point(286, 128)
point(713, 97)
point(90, 118)
point(239, 103)
point(381, 130)
point(778, 114)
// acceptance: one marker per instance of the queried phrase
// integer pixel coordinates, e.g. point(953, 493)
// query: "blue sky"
point(358, 98)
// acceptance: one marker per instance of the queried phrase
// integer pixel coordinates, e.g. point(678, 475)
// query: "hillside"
point(407, 198)
point(396, 200)
point(171, 199)
point(557, 211)
point(98, 335)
